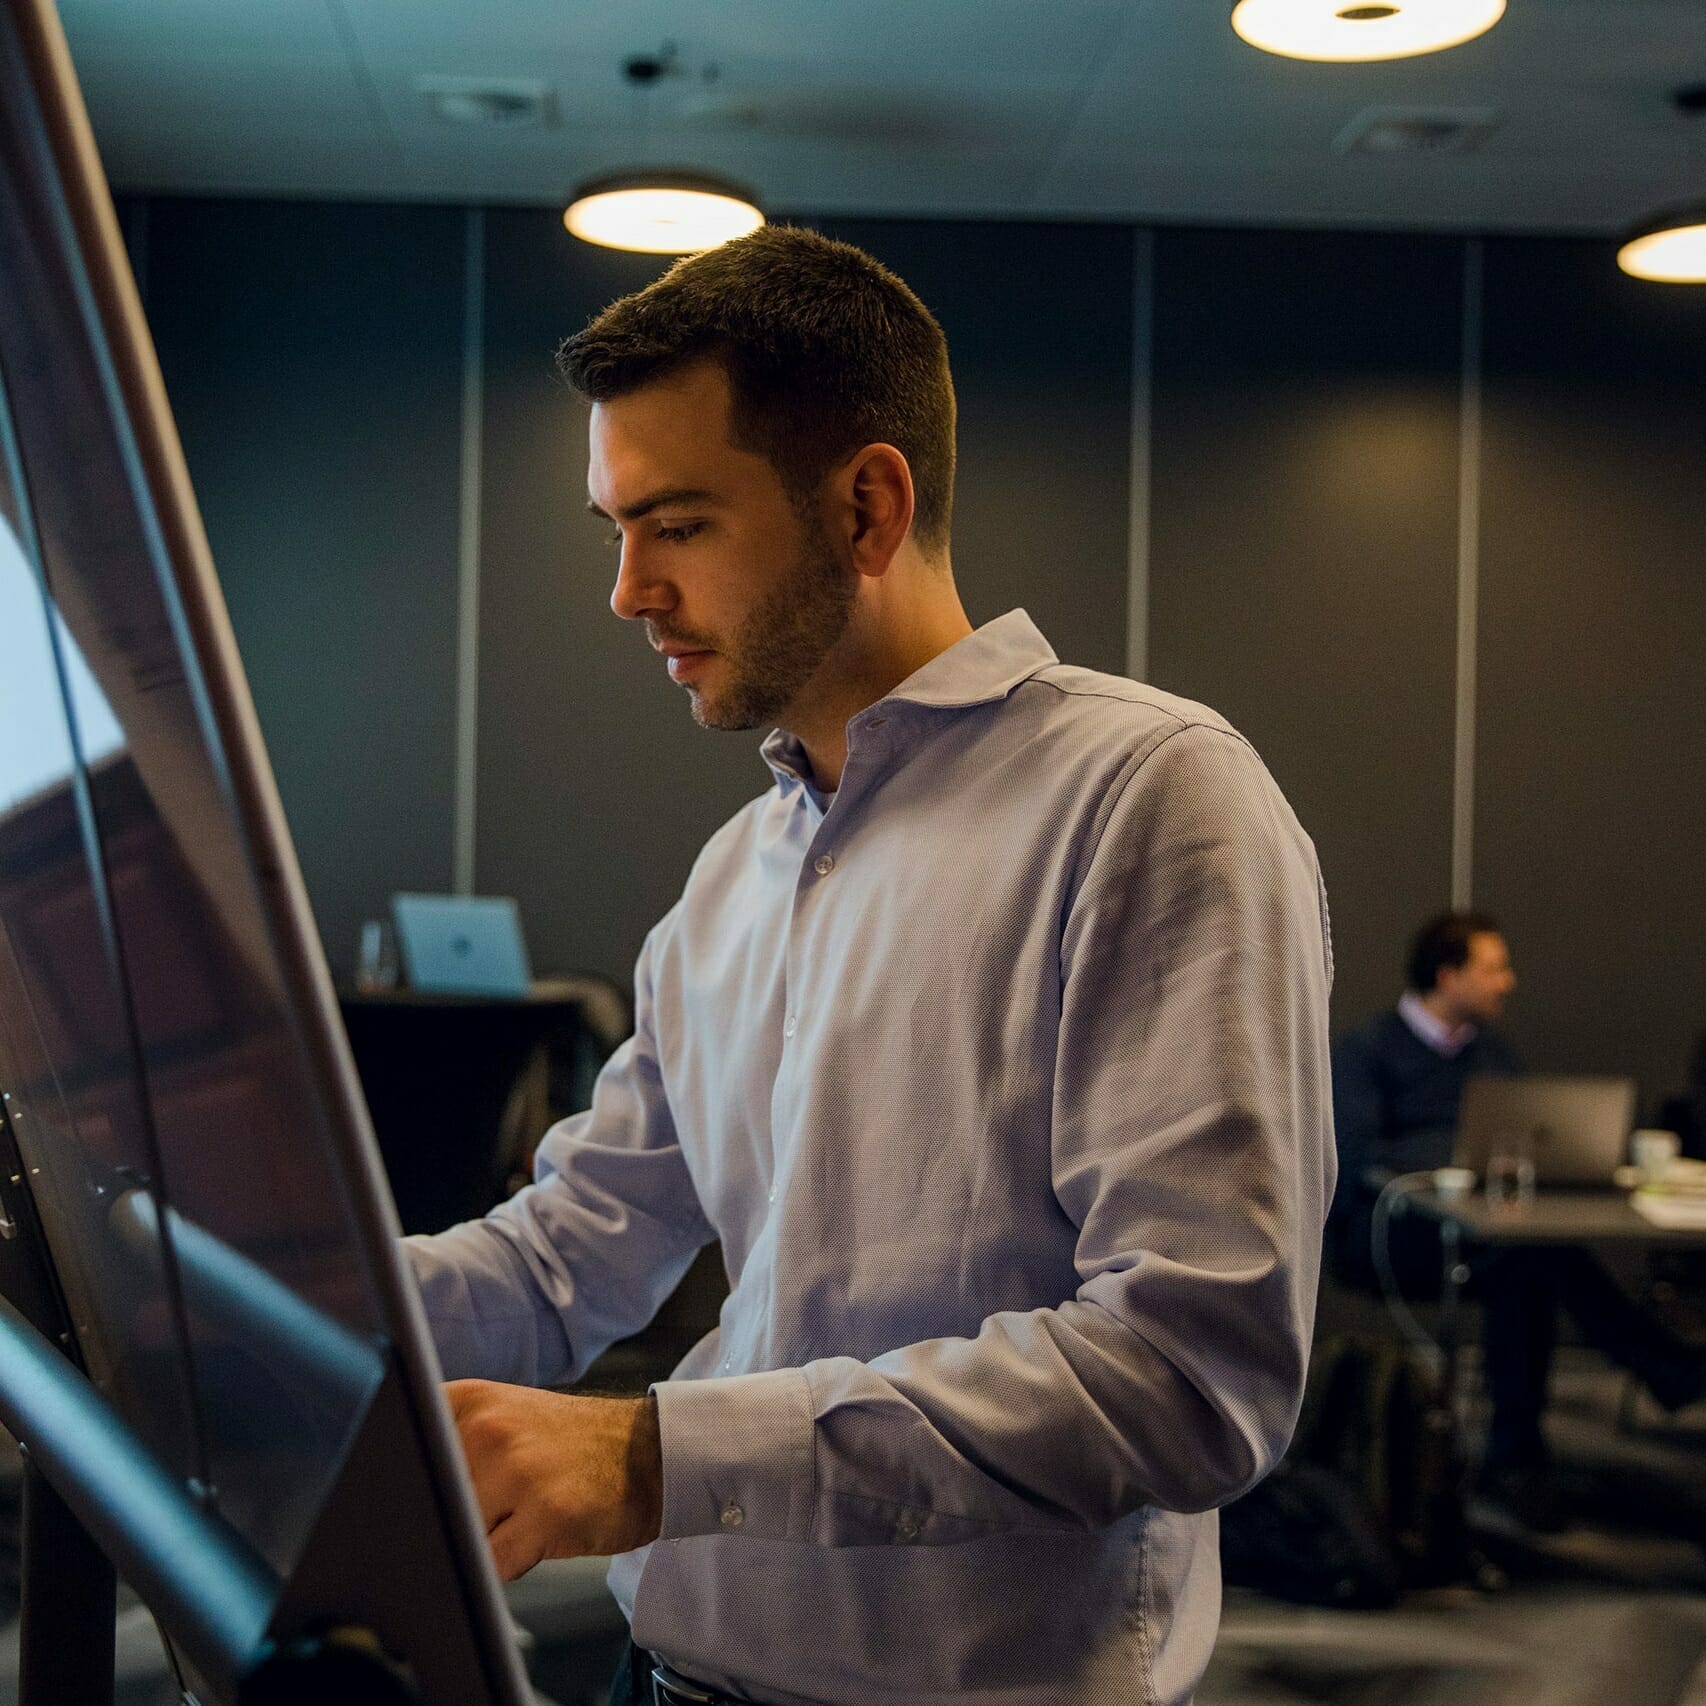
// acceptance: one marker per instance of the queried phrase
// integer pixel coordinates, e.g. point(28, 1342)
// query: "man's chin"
point(709, 713)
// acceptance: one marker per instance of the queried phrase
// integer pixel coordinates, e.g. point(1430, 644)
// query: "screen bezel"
point(236, 742)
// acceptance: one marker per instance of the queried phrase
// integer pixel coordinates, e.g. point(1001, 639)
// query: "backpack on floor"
point(1305, 1535)
point(1374, 1413)
point(1367, 1499)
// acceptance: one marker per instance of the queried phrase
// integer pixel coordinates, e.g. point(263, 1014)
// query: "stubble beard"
point(782, 642)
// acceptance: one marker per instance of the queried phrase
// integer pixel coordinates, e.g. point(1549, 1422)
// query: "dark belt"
point(671, 1688)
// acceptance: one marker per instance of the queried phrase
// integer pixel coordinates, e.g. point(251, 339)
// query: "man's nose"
point(638, 592)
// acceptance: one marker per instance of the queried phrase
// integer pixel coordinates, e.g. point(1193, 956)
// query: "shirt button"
point(823, 864)
point(733, 1515)
point(788, 1026)
point(906, 1526)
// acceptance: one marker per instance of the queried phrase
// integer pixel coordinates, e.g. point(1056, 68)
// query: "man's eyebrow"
point(656, 500)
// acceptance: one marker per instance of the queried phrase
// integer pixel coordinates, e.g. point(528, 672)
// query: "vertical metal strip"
point(1468, 577)
point(1137, 522)
point(468, 550)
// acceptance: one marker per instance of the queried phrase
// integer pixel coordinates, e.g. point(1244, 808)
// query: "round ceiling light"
point(662, 213)
point(1670, 249)
point(1344, 30)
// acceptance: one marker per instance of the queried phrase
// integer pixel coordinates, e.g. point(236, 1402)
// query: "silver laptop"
point(1577, 1129)
point(461, 944)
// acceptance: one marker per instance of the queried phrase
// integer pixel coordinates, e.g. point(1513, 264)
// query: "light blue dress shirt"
point(1002, 1076)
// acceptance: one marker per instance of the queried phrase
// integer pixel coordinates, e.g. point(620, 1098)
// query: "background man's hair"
point(1442, 942)
point(826, 351)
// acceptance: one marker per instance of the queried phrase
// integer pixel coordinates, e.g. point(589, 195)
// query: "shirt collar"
point(1442, 1038)
point(986, 665)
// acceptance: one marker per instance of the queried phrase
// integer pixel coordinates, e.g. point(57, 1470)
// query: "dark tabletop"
point(1556, 1216)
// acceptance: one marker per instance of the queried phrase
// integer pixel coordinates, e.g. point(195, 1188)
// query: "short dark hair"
point(1444, 941)
point(826, 351)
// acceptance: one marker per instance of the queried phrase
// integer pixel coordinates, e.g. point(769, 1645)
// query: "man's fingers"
point(515, 1547)
point(462, 1395)
point(487, 1469)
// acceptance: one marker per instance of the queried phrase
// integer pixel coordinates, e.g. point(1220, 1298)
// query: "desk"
point(1556, 1216)
point(1580, 1218)
point(1573, 1217)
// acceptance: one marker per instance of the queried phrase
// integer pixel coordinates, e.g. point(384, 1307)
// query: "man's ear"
point(878, 493)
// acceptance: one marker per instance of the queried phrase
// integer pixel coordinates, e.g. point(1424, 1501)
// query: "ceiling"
point(1143, 110)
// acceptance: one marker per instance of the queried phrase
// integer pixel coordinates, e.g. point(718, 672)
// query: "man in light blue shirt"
point(991, 1042)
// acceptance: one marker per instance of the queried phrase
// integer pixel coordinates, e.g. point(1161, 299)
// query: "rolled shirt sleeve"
point(1191, 1148)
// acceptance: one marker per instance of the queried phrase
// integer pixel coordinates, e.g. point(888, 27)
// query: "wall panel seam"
point(468, 552)
point(1137, 519)
point(1468, 577)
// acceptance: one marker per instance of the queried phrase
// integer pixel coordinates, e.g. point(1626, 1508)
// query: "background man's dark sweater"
point(1395, 1101)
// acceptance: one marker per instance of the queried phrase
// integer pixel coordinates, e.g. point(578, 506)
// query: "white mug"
point(1653, 1152)
point(1453, 1183)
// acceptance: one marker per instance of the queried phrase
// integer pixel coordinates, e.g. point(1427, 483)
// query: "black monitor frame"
point(380, 1605)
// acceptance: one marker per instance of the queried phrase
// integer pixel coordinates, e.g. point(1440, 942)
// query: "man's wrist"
point(645, 1470)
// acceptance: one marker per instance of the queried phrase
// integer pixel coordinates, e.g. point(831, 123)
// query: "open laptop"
point(461, 944)
point(1576, 1129)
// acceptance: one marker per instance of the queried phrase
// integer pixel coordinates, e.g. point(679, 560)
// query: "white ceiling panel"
point(1113, 109)
point(213, 28)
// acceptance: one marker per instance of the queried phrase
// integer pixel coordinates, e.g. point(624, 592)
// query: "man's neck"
point(1436, 1023)
point(1442, 1010)
point(867, 664)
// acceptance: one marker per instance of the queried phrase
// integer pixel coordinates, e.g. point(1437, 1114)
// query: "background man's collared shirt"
point(1444, 1039)
point(1003, 1080)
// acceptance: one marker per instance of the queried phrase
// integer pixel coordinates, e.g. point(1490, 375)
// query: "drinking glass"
point(1510, 1174)
point(376, 958)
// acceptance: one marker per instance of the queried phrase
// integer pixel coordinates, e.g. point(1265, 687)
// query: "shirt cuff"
point(737, 1455)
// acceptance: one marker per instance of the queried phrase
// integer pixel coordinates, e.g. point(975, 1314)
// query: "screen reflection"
point(180, 1144)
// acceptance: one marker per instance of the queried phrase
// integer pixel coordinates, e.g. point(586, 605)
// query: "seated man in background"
point(1397, 1083)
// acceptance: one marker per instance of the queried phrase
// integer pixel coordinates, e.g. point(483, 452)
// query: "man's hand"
point(558, 1476)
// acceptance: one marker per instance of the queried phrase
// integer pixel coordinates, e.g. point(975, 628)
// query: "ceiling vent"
point(1417, 130)
point(498, 103)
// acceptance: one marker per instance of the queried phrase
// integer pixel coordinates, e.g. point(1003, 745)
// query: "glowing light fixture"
point(662, 213)
point(1670, 249)
point(1344, 30)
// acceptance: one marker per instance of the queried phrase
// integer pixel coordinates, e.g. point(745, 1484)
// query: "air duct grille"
point(1417, 130)
point(500, 103)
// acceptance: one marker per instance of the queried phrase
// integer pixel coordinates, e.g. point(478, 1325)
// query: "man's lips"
point(684, 660)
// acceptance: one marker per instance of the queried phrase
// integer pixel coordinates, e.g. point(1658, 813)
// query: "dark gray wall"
point(312, 356)
point(1591, 814)
point(1303, 547)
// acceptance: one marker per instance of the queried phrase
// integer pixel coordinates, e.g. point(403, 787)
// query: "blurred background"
point(1313, 391)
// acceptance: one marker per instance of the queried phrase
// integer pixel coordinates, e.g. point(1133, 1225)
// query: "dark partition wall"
point(1302, 560)
point(312, 354)
point(1303, 547)
point(596, 788)
point(1591, 814)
